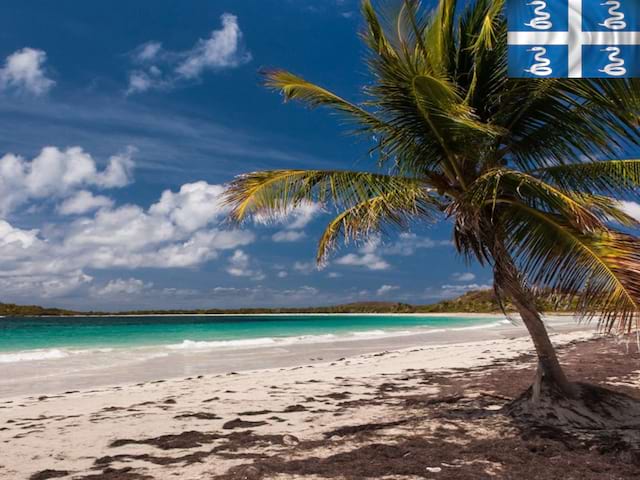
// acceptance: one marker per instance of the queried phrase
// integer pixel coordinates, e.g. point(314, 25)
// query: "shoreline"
point(411, 314)
point(60, 369)
point(76, 431)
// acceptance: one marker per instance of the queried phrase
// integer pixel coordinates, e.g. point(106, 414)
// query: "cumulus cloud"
point(24, 72)
point(371, 254)
point(305, 268)
point(175, 232)
point(157, 68)
point(193, 206)
point(120, 286)
point(408, 243)
point(10, 236)
point(222, 49)
point(288, 236)
point(240, 266)
point(44, 286)
point(384, 289)
point(56, 173)
point(463, 277)
point(366, 257)
point(82, 202)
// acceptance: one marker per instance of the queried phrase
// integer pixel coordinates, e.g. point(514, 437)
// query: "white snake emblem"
point(541, 21)
point(614, 68)
point(616, 18)
point(541, 67)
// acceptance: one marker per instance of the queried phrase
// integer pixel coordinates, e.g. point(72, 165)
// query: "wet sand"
point(123, 366)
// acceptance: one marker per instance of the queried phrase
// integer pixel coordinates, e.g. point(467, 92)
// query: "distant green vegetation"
point(12, 310)
point(479, 301)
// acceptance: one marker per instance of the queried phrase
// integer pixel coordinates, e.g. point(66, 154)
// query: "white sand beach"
point(68, 424)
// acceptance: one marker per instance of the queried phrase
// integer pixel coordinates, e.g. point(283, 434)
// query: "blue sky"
point(119, 123)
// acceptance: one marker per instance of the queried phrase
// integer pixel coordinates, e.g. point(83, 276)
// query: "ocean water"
point(37, 339)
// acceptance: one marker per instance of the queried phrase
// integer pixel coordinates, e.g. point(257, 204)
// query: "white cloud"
point(407, 244)
point(175, 232)
point(631, 208)
point(148, 51)
point(454, 290)
point(367, 260)
point(463, 277)
point(288, 236)
point(44, 286)
point(82, 202)
point(282, 274)
point(56, 173)
point(139, 82)
point(194, 206)
point(371, 254)
point(119, 286)
point(305, 267)
point(239, 266)
point(222, 50)
point(366, 257)
point(24, 72)
point(130, 237)
point(334, 275)
point(302, 215)
point(10, 236)
point(293, 220)
point(384, 289)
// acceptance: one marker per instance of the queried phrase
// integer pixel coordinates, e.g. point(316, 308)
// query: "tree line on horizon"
point(476, 301)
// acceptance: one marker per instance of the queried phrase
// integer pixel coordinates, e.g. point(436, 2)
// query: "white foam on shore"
point(46, 354)
point(202, 345)
point(32, 355)
point(350, 336)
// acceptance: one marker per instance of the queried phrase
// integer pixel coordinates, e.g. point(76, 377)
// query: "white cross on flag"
point(574, 38)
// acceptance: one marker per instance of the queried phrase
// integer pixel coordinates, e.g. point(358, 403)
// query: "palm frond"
point(294, 87)
point(613, 177)
point(392, 209)
point(278, 191)
point(601, 269)
point(497, 151)
point(505, 184)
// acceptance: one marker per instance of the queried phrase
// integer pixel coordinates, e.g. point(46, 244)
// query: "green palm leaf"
point(600, 270)
point(394, 208)
point(496, 155)
point(278, 191)
point(613, 177)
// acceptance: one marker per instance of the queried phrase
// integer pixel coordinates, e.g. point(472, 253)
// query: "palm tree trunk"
point(508, 280)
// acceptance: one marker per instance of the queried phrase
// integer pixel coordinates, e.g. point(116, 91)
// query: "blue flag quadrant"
point(573, 38)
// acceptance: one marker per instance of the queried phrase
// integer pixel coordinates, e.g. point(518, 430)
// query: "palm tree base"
point(592, 413)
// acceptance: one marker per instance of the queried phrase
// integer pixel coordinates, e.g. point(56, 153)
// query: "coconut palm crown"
point(520, 166)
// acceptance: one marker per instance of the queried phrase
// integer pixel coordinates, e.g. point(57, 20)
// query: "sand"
point(168, 428)
point(130, 366)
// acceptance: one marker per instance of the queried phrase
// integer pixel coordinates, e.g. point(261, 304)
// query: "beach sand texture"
point(419, 412)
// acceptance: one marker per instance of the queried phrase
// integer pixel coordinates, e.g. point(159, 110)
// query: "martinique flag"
point(574, 38)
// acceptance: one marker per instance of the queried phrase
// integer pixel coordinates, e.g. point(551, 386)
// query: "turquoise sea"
point(29, 339)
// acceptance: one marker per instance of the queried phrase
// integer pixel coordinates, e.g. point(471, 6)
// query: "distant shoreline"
point(478, 302)
point(296, 314)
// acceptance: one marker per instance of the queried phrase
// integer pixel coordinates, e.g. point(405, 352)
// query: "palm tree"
point(516, 165)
